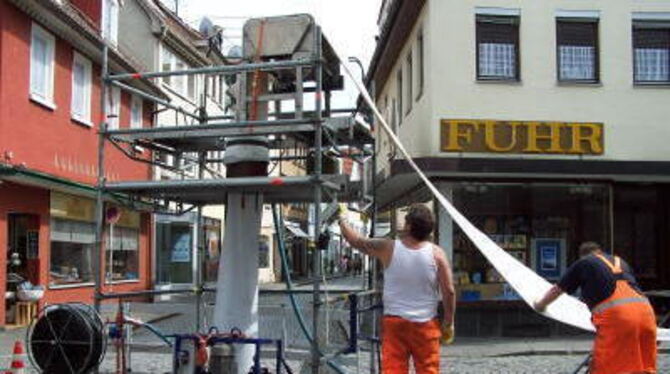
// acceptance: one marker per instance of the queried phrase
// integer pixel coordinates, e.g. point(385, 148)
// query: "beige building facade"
point(545, 122)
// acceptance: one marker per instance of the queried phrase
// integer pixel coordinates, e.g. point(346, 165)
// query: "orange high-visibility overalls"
point(625, 329)
point(402, 339)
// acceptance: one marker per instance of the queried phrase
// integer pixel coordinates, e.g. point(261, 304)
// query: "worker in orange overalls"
point(625, 321)
point(417, 276)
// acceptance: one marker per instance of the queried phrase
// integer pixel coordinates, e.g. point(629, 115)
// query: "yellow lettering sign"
point(466, 135)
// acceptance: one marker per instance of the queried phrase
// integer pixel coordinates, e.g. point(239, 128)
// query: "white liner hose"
point(529, 285)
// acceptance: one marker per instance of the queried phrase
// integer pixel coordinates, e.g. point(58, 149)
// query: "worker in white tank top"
point(417, 275)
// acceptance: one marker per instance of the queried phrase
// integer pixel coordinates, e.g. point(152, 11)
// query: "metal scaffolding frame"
point(317, 131)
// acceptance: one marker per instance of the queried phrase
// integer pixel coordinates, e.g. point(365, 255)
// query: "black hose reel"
point(67, 339)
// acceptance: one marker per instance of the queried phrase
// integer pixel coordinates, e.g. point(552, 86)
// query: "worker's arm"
point(378, 248)
point(548, 298)
point(446, 282)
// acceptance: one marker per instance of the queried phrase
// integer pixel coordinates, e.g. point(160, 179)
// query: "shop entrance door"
point(22, 253)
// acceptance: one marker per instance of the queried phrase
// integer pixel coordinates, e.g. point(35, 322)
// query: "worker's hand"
point(447, 333)
point(539, 306)
point(342, 212)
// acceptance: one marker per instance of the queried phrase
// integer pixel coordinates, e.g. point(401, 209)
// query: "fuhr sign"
point(493, 136)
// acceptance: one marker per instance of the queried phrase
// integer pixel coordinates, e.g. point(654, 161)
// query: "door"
point(22, 253)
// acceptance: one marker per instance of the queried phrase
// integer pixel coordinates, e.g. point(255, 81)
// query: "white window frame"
point(135, 121)
point(179, 84)
point(113, 105)
point(45, 96)
point(110, 21)
point(85, 116)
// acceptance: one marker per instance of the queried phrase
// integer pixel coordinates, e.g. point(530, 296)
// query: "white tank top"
point(411, 290)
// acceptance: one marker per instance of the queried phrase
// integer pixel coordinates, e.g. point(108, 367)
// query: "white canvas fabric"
point(237, 286)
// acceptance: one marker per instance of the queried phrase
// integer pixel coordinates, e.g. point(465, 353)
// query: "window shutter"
point(488, 32)
point(652, 38)
point(577, 33)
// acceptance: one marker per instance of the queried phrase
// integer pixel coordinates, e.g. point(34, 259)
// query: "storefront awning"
point(403, 185)
point(296, 231)
point(24, 176)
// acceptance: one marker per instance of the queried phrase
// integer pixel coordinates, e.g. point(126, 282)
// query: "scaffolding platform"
point(211, 137)
point(214, 191)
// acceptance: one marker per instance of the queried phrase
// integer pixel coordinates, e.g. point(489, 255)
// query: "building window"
point(419, 64)
point(113, 107)
point(110, 21)
point(651, 51)
point(136, 112)
point(122, 248)
point(185, 86)
point(497, 48)
point(410, 81)
point(72, 245)
point(81, 89)
point(42, 49)
point(399, 94)
point(577, 50)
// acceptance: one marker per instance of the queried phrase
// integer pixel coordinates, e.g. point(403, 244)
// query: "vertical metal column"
point(200, 227)
point(199, 239)
point(316, 258)
point(99, 204)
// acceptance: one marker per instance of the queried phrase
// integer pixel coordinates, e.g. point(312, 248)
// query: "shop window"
point(122, 253)
point(72, 244)
point(497, 48)
point(577, 50)
point(174, 247)
point(213, 245)
point(541, 225)
point(42, 50)
point(651, 52)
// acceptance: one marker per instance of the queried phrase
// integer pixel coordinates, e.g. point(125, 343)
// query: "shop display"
point(519, 235)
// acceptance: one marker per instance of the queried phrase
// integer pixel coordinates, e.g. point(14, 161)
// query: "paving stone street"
point(466, 355)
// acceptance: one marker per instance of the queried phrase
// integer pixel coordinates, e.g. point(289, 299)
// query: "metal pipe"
point(221, 69)
point(249, 182)
point(318, 68)
point(153, 98)
point(212, 126)
point(132, 294)
point(99, 204)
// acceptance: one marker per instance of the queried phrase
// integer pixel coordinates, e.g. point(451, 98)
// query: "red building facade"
point(48, 156)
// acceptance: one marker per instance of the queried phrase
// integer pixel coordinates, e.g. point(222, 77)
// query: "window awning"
point(25, 176)
point(296, 231)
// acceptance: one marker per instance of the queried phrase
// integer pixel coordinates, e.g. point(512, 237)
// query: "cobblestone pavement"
point(501, 355)
point(534, 364)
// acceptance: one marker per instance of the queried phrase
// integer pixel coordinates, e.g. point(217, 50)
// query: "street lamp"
point(358, 62)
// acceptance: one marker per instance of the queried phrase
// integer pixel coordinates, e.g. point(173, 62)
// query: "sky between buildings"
point(349, 25)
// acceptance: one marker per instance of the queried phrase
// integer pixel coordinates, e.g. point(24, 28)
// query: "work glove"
point(342, 212)
point(447, 334)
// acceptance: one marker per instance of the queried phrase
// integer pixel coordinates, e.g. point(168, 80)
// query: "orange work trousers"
point(402, 339)
point(625, 334)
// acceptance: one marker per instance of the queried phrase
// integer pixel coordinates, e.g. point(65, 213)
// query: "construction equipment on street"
point(282, 114)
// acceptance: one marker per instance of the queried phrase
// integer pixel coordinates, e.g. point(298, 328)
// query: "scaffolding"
point(296, 73)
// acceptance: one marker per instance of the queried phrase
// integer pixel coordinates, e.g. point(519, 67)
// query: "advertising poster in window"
point(181, 249)
point(548, 257)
